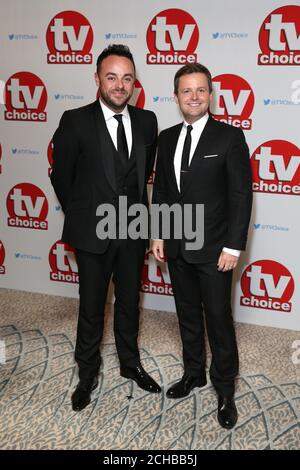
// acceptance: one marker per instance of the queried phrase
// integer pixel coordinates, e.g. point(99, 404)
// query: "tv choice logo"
point(155, 278)
point(2, 258)
point(50, 156)
point(138, 95)
point(267, 284)
point(276, 168)
point(63, 263)
point(233, 100)
point(27, 207)
point(69, 39)
point(172, 38)
point(279, 37)
point(25, 98)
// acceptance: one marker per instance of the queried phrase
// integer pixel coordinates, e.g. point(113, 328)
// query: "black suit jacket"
point(83, 174)
point(222, 183)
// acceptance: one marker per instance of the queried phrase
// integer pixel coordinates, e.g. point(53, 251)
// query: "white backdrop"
point(48, 53)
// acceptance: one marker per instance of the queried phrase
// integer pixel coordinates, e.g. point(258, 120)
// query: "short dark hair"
point(115, 49)
point(192, 68)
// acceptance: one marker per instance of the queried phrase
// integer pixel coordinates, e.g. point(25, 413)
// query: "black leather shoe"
point(140, 376)
point(82, 394)
point(185, 385)
point(227, 412)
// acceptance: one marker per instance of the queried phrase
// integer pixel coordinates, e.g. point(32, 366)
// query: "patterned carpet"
point(39, 375)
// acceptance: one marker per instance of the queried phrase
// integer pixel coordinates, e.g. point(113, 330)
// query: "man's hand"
point(157, 248)
point(227, 262)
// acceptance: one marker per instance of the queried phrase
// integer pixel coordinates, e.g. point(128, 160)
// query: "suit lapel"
point(106, 146)
point(205, 139)
point(138, 146)
point(172, 150)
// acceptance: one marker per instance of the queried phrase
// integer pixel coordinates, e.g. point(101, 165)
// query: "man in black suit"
point(103, 151)
point(203, 161)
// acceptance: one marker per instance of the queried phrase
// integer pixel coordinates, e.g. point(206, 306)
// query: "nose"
point(119, 83)
point(194, 95)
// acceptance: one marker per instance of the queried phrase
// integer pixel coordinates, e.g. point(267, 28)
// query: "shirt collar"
point(198, 124)
point(108, 113)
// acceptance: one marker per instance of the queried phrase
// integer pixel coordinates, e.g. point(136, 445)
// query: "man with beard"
point(103, 151)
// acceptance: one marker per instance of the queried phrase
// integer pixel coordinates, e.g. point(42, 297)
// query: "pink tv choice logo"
point(138, 96)
point(2, 258)
point(25, 98)
point(279, 37)
point(276, 168)
point(155, 279)
point(27, 207)
point(69, 39)
point(267, 284)
point(233, 100)
point(50, 156)
point(63, 263)
point(172, 38)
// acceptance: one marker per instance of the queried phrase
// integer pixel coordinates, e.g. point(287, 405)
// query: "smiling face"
point(115, 80)
point(193, 96)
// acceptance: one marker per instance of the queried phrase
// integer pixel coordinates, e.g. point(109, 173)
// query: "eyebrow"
point(115, 75)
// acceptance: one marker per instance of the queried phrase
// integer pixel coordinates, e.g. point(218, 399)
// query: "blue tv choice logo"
point(19, 151)
point(21, 37)
point(233, 35)
point(163, 99)
point(273, 227)
point(280, 102)
point(25, 256)
point(110, 36)
point(65, 97)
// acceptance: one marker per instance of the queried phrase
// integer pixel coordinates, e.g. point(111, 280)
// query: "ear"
point(97, 79)
point(176, 99)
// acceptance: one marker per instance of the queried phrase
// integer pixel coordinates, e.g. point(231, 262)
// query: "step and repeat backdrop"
point(48, 52)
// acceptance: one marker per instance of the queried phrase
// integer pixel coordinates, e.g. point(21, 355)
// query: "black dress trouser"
point(201, 291)
point(124, 260)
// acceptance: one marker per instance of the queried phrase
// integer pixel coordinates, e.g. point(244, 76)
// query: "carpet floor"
point(37, 334)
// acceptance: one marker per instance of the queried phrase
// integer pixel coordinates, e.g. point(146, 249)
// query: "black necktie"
point(121, 139)
point(185, 157)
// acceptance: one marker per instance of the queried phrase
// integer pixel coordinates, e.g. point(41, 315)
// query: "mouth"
point(118, 93)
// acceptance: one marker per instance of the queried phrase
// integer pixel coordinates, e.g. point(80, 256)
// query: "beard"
point(113, 103)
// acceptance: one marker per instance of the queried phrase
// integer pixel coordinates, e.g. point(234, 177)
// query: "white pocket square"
point(211, 156)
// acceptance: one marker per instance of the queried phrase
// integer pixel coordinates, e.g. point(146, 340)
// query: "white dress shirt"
point(196, 132)
point(112, 124)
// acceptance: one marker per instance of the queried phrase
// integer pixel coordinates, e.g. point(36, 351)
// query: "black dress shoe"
point(185, 385)
point(82, 394)
point(227, 412)
point(140, 376)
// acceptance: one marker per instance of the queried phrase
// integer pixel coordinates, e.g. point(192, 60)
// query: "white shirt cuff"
point(232, 252)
